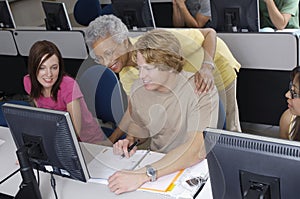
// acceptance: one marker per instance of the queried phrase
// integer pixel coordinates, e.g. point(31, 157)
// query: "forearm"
point(201, 20)
point(189, 20)
point(125, 121)
point(122, 128)
point(278, 19)
point(178, 21)
point(179, 158)
point(209, 43)
point(74, 110)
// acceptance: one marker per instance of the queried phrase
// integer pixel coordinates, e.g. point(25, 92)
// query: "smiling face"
point(153, 78)
point(110, 53)
point(47, 74)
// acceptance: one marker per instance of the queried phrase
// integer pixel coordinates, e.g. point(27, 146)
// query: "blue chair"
point(222, 117)
point(86, 11)
point(2, 118)
point(104, 96)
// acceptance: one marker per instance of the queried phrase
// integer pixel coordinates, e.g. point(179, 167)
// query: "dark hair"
point(38, 50)
point(295, 74)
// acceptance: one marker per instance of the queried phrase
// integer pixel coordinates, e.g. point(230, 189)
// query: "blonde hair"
point(160, 48)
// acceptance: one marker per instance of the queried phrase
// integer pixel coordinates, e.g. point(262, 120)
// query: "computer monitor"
point(56, 16)
point(234, 15)
point(6, 17)
point(249, 166)
point(48, 138)
point(135, 14)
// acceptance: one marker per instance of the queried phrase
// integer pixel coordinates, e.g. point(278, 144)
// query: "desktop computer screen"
point(135, 14)
point(49, 138)
point(56, 16)
point(6, 17)
point(244, 166)
point(234, 15)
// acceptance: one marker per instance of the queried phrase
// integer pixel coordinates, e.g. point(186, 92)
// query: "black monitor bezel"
point(8, 22)
point(64, 23)
point(50, 162)
point(230, 154)
point(241, 9)
point(121, 7)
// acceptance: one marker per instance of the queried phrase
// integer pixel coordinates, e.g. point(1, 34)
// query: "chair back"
point(103, 94)
point(2, 118)
point(222, 117)
point(86, 11)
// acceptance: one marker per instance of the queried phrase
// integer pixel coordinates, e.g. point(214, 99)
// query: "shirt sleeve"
point(290, 7)
point(27, 84)
point(204, 112)
point(70, 90)
point(205, 8)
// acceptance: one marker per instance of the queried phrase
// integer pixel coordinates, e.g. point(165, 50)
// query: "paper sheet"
point(106, 163)
point(1, 142)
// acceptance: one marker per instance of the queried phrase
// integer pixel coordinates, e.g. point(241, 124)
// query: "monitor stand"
point(254, 186)
point(29, 187)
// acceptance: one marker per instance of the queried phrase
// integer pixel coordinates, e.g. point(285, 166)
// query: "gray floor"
point(260, 129)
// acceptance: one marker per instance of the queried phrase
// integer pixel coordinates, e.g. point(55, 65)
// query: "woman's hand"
point(204, 79)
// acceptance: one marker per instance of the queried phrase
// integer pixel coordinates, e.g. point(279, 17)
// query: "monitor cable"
point(38, 176)
point(53, 185)
point(10, 175)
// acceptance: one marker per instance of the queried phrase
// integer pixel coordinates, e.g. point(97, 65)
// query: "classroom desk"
point(66, 188)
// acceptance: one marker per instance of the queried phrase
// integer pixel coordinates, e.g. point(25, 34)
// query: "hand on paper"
point(121, 147)
point(204, 80)
point(125, 181)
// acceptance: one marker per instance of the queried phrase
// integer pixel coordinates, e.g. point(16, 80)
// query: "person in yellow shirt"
point(207, 56)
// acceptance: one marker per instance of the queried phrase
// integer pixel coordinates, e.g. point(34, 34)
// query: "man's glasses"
point(292, 91)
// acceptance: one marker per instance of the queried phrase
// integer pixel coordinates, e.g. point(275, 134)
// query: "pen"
point(131, 147)
point(202, 183)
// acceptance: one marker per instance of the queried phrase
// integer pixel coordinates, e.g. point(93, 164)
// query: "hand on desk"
point(125, 181)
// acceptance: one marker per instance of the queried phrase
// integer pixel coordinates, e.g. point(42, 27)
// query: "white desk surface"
point(66, 188)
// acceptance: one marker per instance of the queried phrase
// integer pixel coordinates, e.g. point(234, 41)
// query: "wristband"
point(210, 63)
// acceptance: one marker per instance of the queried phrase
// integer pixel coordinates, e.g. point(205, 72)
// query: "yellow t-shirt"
point(191, 43)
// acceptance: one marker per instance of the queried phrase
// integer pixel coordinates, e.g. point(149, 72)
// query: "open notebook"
point(105, 163)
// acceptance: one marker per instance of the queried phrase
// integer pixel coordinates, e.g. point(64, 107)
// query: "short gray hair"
point(103, 26)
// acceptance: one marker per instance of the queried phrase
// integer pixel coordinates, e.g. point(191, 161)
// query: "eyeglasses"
point(293, 93)
point(106, 54)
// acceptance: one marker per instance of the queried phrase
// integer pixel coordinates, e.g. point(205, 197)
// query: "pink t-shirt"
point(69, 90)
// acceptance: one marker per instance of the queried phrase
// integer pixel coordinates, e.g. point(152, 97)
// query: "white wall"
point(30, 12)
